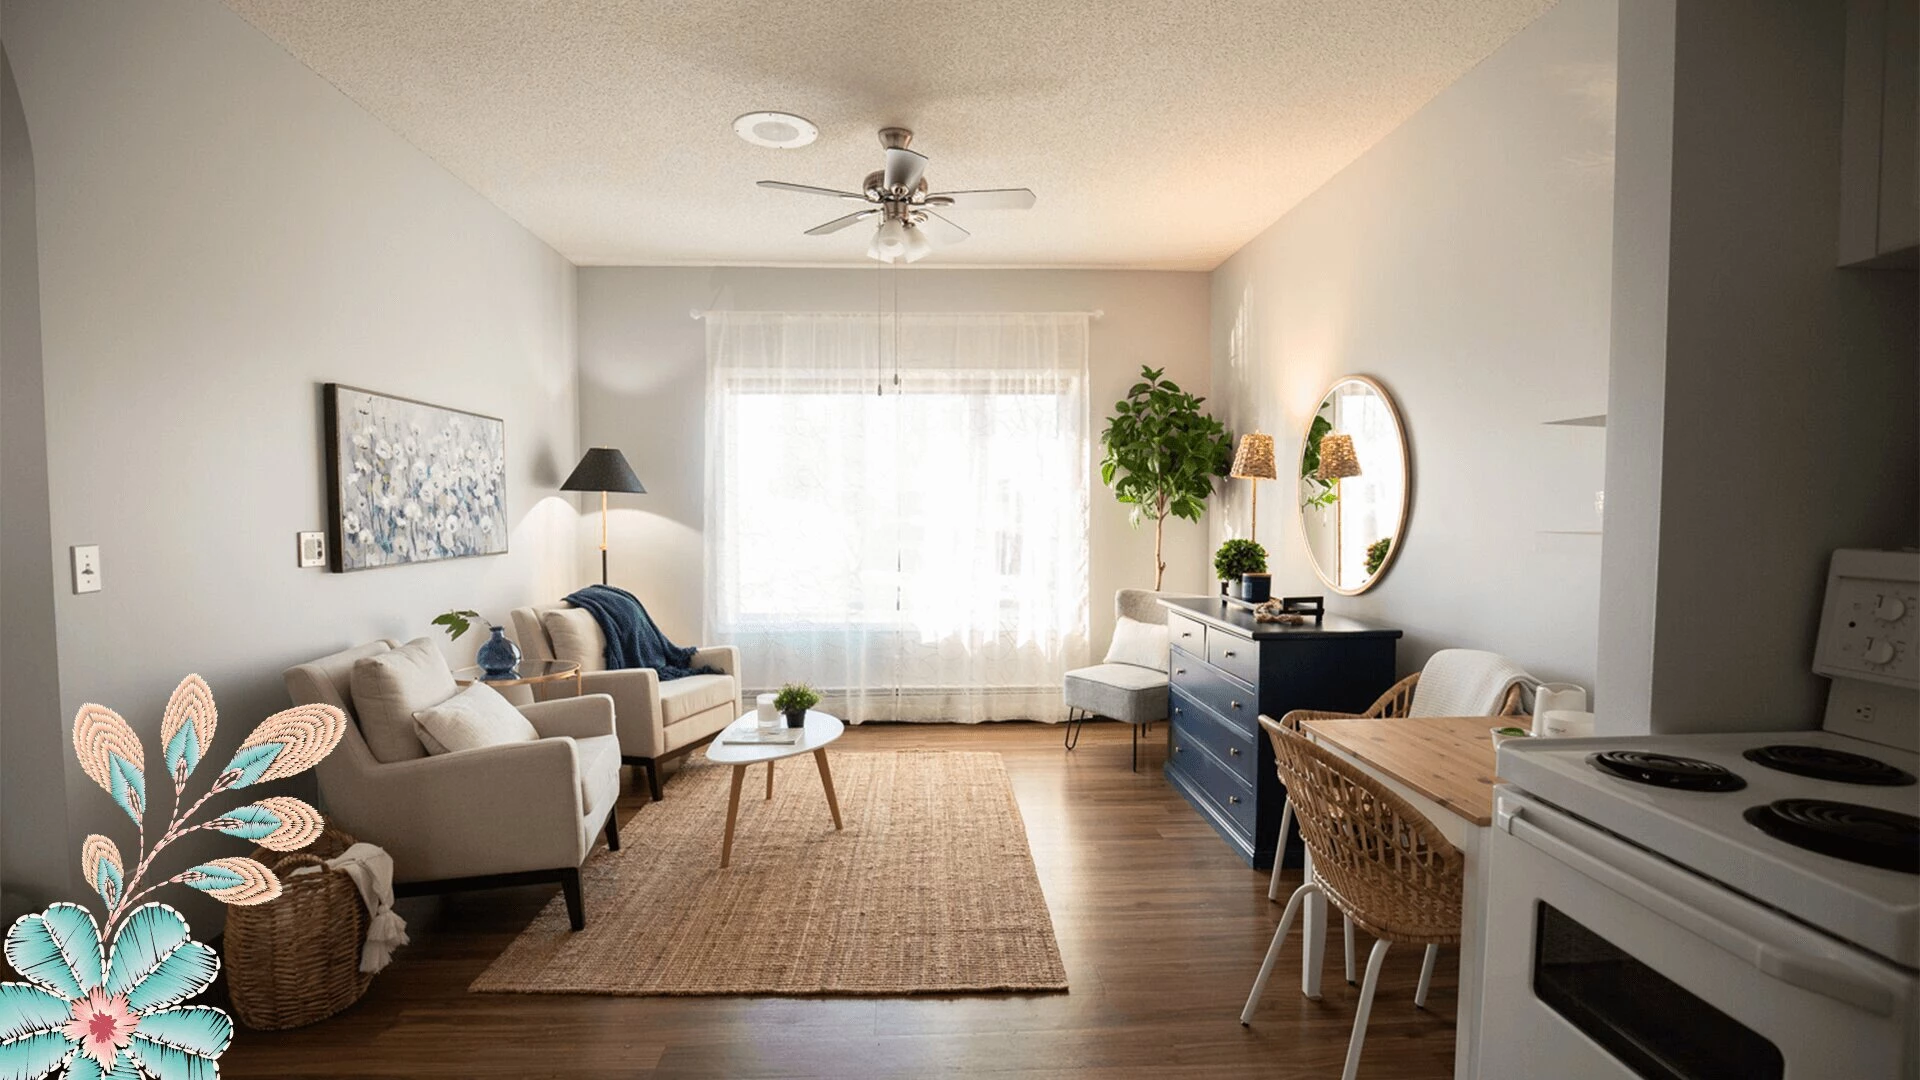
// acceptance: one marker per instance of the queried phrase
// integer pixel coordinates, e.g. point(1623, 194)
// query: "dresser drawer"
point(1216, 690)
point(1230, 746)
point(1235, 655)
point(1188, 634)
point(1230, 795)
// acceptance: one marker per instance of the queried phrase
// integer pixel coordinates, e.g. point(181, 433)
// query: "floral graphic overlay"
point(112, 1011)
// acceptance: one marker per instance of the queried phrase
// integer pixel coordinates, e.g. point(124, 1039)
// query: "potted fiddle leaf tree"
point(1162, 454)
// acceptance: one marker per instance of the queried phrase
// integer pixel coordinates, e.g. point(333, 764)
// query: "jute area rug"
point(929, 890)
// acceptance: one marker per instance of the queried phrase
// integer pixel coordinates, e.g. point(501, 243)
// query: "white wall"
point(643, 377)
point(1464, 261)
point(220, 232)
point(1774, 401)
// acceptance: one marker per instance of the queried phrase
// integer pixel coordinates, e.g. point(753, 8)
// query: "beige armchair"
point(656, 721)
point(474, 819)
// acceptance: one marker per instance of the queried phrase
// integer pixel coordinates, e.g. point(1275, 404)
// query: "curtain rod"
point(699, 313)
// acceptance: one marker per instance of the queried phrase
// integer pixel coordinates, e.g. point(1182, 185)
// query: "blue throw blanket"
point(632, 639)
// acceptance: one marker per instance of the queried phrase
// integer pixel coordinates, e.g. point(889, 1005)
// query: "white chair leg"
point(1273, 950)
point(1280, 851)
point(1367, 988)
point(1349, 934)
point(1426, 977)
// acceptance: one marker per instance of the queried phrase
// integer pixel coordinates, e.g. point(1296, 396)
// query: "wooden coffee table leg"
point(733, 811)
point(826, 780)
point(769, 779)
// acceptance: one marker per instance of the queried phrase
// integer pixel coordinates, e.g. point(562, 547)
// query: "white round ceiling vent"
point(778, 130)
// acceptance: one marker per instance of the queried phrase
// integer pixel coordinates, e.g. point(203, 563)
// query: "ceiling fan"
point(910, 224)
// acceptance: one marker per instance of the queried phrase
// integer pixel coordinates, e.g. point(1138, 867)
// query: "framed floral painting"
point(410, 482)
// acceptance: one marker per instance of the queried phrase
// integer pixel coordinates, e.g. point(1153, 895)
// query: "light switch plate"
point(313, 549)
point(86, 568)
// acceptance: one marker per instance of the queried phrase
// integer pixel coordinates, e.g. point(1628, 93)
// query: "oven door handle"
point(1665, 890)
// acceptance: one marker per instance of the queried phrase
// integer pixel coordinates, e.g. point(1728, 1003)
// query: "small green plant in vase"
point(1238, 561)
point(793, 700)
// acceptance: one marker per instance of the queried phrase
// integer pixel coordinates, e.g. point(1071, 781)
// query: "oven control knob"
point(1889, 609)
point(1879, 651)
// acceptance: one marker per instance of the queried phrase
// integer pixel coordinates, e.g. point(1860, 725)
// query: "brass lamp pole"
point(1254, 461)
point(603, 469)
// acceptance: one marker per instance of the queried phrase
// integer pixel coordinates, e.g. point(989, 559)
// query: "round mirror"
point(1354, 484)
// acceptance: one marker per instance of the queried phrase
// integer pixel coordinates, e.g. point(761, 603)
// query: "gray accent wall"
point(1768, 395)
point(1465, 262)
point(220, 233)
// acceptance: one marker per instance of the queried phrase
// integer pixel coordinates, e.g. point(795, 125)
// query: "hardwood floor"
point(1161, 929)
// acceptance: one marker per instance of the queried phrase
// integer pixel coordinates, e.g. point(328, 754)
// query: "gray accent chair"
point(473, 819)
point(656, 721)
point(1133, 695)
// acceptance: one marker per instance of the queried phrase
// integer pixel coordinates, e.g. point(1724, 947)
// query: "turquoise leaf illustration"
point(100, 864)
point(186, 730)
point(58, 949)
point(85, 1068)
point(156, 962)
point(31, 1042)
point(286, 743)
point(250, 822)
point(181, 1044)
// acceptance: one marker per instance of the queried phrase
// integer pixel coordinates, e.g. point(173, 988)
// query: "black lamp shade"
point(603, 469)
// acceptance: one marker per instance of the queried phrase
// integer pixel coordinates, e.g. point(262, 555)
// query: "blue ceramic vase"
point(498, 656)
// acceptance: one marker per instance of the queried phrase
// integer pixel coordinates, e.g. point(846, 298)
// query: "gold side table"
point(525, 673)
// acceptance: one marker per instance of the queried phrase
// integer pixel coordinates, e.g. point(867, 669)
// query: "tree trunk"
point(1159, 528)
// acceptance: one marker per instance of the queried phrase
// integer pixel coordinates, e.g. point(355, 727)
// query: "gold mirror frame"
point(1406, 493)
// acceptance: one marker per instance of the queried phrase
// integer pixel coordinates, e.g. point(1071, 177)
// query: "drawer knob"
point(1179, 749)
point(1229, 652)
point(1233, 751)
point(1179, 671)
point(1177, 710)
point(1235, 799)
point(1186, 633)
point(1235, 704)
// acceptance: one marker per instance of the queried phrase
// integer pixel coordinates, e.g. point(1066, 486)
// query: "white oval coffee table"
point(820, 730)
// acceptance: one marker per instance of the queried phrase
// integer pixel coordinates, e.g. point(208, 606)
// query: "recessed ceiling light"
point(778, 130)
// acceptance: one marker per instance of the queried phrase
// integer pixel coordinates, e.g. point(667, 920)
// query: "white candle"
point(768, 715)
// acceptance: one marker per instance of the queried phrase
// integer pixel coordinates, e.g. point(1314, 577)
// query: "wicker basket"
point(296, 960)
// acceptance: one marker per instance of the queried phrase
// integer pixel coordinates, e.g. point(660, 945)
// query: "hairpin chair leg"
point(1136, 746)
point(1273, 951)
point(1075, 727)
point(1367, 988)
point(1426, 977)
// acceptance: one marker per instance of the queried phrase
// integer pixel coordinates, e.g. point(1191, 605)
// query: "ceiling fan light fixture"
point(889, 241)
point(917, 246)
point(775, 130)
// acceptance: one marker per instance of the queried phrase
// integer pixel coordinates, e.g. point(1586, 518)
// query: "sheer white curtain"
point(896, 508)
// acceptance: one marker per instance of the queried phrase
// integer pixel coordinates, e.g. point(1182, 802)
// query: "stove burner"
point(1665, 770)
point(1822, 764)
point(1861, 834)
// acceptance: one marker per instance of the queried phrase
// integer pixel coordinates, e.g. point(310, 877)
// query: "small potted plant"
point(1246, 562)
point(498, 657)
point(793, 700)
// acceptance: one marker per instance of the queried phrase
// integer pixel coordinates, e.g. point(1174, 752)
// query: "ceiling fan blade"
point(904, 168)
point(841, 222)
point(996, 199)
point(808, 189)
point(941, 231)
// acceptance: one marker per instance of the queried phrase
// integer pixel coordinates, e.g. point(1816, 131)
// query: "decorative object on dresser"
point(1352, 518)
point(658, 718)
point(603, 469)
point(510, 814)
point(1235, 561)
point(1254, 461)
point(1228, 668)
point(1162, 454)
point(411, 482)
point(1130, 685)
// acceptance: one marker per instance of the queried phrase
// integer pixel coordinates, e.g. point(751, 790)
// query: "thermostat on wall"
point(313, 549)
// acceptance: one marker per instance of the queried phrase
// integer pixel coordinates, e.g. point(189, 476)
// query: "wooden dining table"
point(1444, 767)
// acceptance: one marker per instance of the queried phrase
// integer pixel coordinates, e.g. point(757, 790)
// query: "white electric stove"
point(1722, 906)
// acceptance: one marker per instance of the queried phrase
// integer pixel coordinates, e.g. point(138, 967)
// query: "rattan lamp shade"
point(1336, 457)
point(1254, 459)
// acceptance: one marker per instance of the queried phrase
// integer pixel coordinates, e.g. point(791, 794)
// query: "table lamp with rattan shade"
point(1254, 461)
point(603, 469)
point(1336, 458)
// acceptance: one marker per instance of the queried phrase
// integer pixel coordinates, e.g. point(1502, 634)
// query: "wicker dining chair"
point(1382, 863)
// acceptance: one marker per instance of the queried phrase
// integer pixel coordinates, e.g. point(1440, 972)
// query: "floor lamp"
point(603, 469)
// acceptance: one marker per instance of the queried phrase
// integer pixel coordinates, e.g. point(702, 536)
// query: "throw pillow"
point(576, 636)
point(1139, 643)
point(389, 687)
point(471, 719)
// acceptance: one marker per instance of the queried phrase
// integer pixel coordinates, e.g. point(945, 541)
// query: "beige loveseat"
point(657, 721)
point(504, 815)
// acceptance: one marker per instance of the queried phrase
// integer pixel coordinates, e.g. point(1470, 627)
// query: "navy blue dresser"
point(1228, 669)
